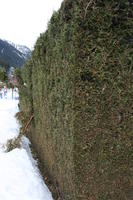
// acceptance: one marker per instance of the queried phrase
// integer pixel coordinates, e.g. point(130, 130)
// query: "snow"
point(19, 175)
point(23, 49)
point(19, 54)
point(9, 127)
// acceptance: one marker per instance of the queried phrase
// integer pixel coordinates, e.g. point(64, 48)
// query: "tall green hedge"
point(79, 85)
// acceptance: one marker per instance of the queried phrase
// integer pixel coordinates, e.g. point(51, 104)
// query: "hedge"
point(79, 85)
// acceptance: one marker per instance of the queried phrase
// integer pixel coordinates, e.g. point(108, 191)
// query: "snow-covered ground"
point(19, 176)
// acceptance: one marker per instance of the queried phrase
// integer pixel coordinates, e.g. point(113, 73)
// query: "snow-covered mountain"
point(14, 55)
point(23, 49)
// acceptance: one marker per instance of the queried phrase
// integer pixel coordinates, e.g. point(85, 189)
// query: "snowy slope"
point(11, 55)
point(23, 49)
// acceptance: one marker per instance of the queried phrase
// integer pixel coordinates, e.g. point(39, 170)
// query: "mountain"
point(14, 55)
point(23, 49)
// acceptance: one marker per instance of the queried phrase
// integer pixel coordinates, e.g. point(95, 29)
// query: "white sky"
point(22, 21)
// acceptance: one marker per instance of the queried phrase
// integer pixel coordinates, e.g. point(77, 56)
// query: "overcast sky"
point(22, 21)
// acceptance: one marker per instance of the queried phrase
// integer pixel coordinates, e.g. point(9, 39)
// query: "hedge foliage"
point(79, 85)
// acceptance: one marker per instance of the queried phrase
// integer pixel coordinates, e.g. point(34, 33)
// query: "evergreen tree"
point(3, 74)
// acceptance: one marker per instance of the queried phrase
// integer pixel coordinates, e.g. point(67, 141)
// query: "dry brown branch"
point(88, 4)
point(26, 127)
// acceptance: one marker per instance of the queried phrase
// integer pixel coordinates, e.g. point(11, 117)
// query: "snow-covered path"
point(19, 175)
